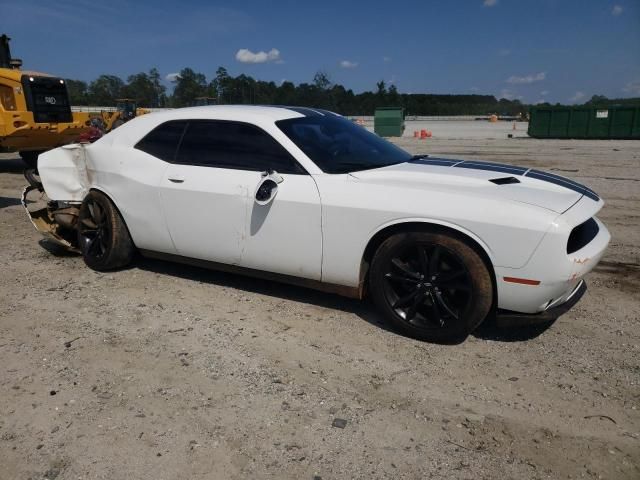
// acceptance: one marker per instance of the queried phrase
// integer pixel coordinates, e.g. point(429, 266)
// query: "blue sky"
point(559, 50)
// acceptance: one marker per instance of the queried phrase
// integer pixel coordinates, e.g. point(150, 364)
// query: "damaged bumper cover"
point(55, 223)
point(506, 318)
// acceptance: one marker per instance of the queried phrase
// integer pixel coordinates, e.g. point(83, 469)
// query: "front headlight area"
point(582, 235)
point(570, 249)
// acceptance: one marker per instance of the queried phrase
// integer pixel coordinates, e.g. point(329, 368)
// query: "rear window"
point(162, 142)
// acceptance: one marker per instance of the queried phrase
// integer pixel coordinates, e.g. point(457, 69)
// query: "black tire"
point(430, 286)
point(30, 158)
point(103, 237)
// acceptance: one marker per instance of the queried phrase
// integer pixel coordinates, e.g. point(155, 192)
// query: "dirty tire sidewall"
point(482, 286)
point(120, 248)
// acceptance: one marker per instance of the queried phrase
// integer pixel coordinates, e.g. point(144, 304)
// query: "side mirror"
point(268, 187)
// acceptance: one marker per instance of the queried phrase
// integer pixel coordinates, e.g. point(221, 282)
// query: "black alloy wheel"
point(103, 237)
point(428, 285)
point(95, 231)
point(431, 286)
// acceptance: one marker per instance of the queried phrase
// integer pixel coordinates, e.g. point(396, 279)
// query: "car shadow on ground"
point(364, 309)
point(9, 202)
point(55, 249)
point(490, 331)
point(13, 165)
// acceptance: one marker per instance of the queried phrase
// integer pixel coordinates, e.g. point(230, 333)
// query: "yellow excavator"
point(35, 114)
point(204, 101)
point(126, 109)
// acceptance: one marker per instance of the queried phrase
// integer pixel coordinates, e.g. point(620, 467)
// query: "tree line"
point(148, 90)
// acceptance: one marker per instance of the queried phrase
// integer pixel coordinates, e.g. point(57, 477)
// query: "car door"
point(209, 199)
point(204, 205)
point(284, 233)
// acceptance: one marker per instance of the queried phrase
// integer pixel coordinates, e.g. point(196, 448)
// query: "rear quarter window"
point(162, 142)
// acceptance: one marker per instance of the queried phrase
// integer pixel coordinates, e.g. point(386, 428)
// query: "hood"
point(518, 184)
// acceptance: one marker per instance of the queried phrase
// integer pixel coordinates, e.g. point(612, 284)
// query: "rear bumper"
point(507, 318)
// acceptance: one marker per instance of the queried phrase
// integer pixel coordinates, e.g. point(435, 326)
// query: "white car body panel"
point(285, 236)
point(205, 212)
point(232, 228)
point(69, 177)
point(557, 271)
point(318, 225)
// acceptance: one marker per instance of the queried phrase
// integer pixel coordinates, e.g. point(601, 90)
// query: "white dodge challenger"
point(304, 195)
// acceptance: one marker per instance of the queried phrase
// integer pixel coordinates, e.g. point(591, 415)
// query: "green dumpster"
point(597, 122)
point(389, 121)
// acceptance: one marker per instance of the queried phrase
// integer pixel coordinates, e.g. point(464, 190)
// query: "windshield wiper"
point(418, 157)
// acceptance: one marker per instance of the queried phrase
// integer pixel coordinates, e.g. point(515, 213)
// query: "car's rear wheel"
point(103, 236)
point(430, 286)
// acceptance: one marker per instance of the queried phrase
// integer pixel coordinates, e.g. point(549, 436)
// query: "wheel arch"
point(412, 225)
point(102, 191)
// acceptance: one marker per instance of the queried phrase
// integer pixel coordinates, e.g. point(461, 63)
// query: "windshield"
point(337, 145)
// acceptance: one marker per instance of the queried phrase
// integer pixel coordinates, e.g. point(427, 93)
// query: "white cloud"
point(386, 59)
point(474, 89)
point(247, 56)
point(504, 52)
point(538, 77)
point(172, 77)
point(632, 87)
point(616, 10)
point(544, 93)
point(348, 64)
point(508, 94)
point(577, 97)
point(490, 3)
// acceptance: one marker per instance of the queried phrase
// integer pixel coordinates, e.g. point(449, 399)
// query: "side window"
point(162, 142)
point(241, 146)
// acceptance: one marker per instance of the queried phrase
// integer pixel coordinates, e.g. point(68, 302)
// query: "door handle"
point(176, 179)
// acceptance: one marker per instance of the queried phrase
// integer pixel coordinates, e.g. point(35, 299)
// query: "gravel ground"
point(163, 371)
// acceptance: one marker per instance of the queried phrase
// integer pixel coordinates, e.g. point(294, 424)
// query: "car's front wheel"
point(430, 286)
point(103, 236)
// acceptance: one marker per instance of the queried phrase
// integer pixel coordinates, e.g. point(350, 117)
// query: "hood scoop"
point(504, 180)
